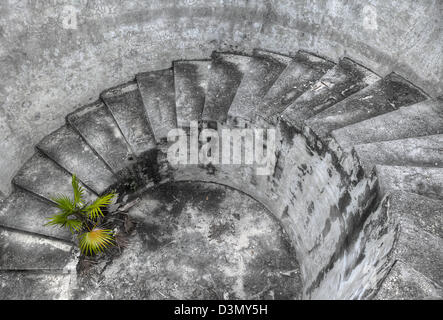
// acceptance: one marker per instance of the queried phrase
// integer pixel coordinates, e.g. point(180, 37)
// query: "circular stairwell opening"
point(194, 240)
point(311, 228)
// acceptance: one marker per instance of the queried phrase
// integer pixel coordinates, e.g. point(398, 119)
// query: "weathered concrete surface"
point(23, 211)
point(42, 43)
point(420, 119)
point(198, 241)
point(35, 285)
point(405, 283)
point(345, 79)
point(95, 123)
point(23, 251)
point(303, 71)
point(318, 193)
point(225, 75)
point(386, 95)
point(67, 148)
point(44, 178)
point(157, 91)
point(190, 83)
point(415, 152)
point(127, 107)
point(262, 71)
point(426, 181)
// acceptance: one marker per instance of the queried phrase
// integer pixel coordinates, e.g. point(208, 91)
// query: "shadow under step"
point(225, 75)
point(126, 105)
point(340, 82)
point(23, 211)
point(261, 72)
point(386, 95)
point(420, 180)
point(191, 83)
point(158, 94)
point(23, 251)
point(424, 151)
point(304, 70)
point(66, 147)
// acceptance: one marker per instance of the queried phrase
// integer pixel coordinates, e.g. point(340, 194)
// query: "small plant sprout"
point(84, 219)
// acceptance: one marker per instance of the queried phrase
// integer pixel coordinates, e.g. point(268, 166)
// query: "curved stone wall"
point(56, 55)
point(322, 198)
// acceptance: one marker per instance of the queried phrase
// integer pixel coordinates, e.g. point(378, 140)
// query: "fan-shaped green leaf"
point(78, 190)
point(95, 241)
point(65, 204)
point(63, 220)
point(95, 209)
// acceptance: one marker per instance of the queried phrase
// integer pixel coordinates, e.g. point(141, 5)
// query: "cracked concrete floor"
point(198, 241)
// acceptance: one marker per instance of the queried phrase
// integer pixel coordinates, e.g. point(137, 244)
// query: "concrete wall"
point(56, 55)
point(322, 199)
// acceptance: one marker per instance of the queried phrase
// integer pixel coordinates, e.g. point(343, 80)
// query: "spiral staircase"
point(358, 183)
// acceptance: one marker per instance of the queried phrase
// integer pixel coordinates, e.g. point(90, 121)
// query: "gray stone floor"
point(198, 241)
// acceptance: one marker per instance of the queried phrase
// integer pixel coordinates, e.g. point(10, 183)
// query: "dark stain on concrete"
point(201, 241)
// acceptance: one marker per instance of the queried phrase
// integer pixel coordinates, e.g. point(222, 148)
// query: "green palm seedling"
point(83, 219)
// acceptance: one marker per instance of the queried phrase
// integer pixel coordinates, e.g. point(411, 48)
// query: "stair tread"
point(282, 58)
point(126, 105)
point(423, 212)
point(303, 71)
point(420, 249)
point(420, 119)
point(97, 126)
point(19, 285)
point(25, 212)
point(261, 73)
point(403, 282)
point(420, 180)
point(386, 95)
point(21, 251)
point(225, 75)
point(66, 147)
point(340, 82)
point(424, 151)
point(190, 82)
point(158, 94)
point(42, 177)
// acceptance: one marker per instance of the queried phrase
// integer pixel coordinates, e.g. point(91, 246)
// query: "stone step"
point(405, 283)
point(158, 93)
point(225, 75)
point(25, 212)
point(421, 119)
point(98, 128)
point(126, 105)
point(66, 147)
point(418, 247)
point(44, 178)
point(422, 212)
point(340, 82)
point(420, 180)
point(35, 285)
point(304, 70)
point(261, 73)
point(190, 82)
point(386, 95)
point(404, 228)
point(23, 251)
point(424, 151)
